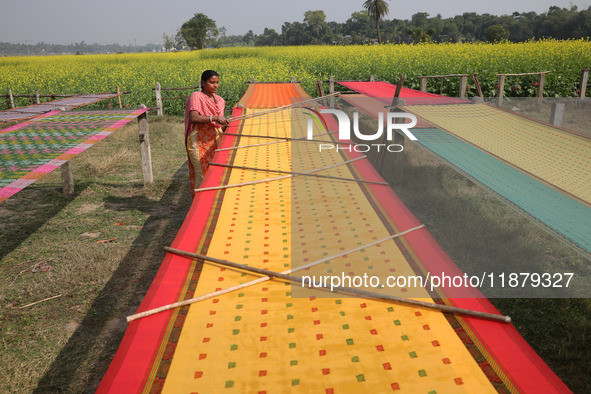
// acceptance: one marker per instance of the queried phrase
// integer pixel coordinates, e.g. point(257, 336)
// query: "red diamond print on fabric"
point(322, 352)
point(395, 386)
point(380, 348)
point(202, 356)
point(446, 361)
point(374, 332)
point(435, 343)
point(319, 337)
point(198, 374)
point(262, 373)
point(325, 371)
point(387, 366)
point(263, 355)
point(418, 313)
point(459, 381)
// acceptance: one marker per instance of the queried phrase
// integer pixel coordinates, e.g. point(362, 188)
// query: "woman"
point(204, 124)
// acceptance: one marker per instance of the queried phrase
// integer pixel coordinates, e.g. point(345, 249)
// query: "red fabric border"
point(134, 359)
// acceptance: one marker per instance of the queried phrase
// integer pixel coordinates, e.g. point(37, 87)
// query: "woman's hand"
point(221, 120)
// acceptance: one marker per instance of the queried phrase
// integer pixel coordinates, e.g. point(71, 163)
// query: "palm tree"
point(376, 9)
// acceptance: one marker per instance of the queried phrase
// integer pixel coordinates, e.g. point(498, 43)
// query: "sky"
point(141, 22)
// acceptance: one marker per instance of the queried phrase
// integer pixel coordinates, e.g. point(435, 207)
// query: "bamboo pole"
point(521, 74)
point(463, 85)
point(289, 138)
point(10, 98)
point(145, 151)
point(298, 173)
point(477, 84)
point(158, 99)
point(331, 91)
point(37, 302)
point(423, 84)
point(119, 97)
point(266, 278)
point(541, 83)
point(583, 85)
point(343, 290)
point(501, 90)
point(67, 178)
point(220, 187)
point(284, 107)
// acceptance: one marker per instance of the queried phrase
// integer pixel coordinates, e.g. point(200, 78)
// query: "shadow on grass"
point(27, 211)
point(84, 360)
point(478, 230)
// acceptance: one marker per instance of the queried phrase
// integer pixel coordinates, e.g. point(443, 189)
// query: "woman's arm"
point(196, 118)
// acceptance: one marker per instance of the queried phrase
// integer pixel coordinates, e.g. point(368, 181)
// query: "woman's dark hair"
point(208, 74)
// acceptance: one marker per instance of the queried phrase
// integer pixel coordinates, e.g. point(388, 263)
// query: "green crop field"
point(139, 72)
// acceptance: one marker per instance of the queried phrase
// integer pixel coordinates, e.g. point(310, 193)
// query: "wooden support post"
point(67, 178)
point(477, 85)
point(542, 80)
point(399, 85)
point(158, 99)
point(423, 84)
point(372, 78)
point(398, 139)
point(331, 91)
point(292, 79)
point(556, 114)
point(320, 90)
point(583, 86)
point(144, 134)
point(119, 97)
point(252, 80)
point(501, 90)
point(37, 97)
point(10, 98)
point(463, 85)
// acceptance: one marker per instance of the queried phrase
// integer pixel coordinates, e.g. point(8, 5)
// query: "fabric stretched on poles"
point(31, 150)
point(264, 338)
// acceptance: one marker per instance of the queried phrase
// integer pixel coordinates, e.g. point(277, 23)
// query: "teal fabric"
point(567, 217)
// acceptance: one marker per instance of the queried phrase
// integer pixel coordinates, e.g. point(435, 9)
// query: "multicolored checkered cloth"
point(30, 150)
point(23, 113)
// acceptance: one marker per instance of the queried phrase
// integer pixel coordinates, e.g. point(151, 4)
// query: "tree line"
point(42, 48)
point(363, 27)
